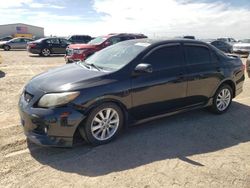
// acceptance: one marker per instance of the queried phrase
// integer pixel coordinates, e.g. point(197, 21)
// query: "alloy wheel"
point(223, 99)
point(46, 52)
point(105, 124)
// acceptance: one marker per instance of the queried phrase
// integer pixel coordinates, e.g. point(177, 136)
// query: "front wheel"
point(6, 48)
point(103, 124)
point(222, 99)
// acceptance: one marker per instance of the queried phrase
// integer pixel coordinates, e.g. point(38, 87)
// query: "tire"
point(6, 47)
point(222, 99)
point(45, 52)
point(103, 124)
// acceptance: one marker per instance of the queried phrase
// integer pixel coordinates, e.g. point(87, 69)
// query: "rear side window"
point(53, 41)
point(197, 54)
point(165, 57)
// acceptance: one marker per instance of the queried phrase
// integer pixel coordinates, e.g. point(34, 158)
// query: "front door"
point(165, 88)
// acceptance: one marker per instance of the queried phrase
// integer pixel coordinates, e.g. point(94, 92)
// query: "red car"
point(79, 52)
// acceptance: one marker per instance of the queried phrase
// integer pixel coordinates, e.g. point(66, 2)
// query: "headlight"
point(79, 51)
point(57, 99)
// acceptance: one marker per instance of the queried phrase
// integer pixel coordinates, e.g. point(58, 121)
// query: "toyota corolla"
point(127, 83)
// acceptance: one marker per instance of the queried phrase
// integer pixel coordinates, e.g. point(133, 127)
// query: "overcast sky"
point(155, 18)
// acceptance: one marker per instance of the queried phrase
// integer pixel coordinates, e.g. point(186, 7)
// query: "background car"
point(228, 40)
point(223, 46)
point(127, 83)
point(76, 52)
point(7, 38)
point(47, 46)
point(243, 47)
point(248, 66)
point(78, 39)
point(16, 43)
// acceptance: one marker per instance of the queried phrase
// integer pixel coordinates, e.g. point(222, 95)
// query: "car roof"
point(168, 40)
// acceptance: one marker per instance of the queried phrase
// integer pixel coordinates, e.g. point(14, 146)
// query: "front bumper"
point(49, 127)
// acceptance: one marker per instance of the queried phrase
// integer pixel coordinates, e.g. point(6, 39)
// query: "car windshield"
point(97, 40)
point(246, 41)
point(117, 56)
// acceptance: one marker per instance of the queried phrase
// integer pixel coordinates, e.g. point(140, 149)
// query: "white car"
point(243, 47)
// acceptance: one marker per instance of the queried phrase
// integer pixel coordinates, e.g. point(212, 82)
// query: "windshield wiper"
point(95, 66)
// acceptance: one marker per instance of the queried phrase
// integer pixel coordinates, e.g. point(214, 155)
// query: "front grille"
point(27, 96)
point(69, 51)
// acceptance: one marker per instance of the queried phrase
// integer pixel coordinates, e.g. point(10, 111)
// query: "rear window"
point(197, 54)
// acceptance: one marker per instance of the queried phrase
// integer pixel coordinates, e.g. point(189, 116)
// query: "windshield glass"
point(117, 56)
point(97, 40)
point(246, 41)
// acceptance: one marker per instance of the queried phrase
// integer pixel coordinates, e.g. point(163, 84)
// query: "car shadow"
point(179, 136)
point(2, 74)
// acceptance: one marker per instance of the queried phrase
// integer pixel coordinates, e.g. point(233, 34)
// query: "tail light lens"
point(32, 45)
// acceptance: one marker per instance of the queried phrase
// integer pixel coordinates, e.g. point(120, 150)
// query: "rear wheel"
point(45, 52)
point(103, 124)
point(6, 48)
point(222, 99)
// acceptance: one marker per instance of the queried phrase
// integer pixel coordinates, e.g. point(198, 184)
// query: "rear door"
point(55, 46)
point(203, 72)
point(165, 88)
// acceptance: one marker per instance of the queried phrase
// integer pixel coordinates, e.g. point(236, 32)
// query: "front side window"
point(197, 54)
point(165, 57)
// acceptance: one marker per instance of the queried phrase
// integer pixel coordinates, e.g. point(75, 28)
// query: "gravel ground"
point(194, 149)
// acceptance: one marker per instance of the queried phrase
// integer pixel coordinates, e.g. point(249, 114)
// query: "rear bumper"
point(34, 50)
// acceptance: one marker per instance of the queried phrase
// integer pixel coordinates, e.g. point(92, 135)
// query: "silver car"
point(243, 47)
point(16, 43)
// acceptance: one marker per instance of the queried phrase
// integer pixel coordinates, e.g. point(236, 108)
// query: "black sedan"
point(223, 46)
point(124, 84)
point(47, 46)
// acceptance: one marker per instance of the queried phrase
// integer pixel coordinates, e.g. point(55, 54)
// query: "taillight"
point(244, 67)
point(32, 45)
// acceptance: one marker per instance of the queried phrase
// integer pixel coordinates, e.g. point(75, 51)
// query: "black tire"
point(214, 108)
point(6, 47)
point(86, 131)
point(45, 52)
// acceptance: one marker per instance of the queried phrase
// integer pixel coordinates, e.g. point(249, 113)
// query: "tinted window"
point(165, 57)
point(54, 41)
point(114, 40)
point(64, 41)
point(197, 54)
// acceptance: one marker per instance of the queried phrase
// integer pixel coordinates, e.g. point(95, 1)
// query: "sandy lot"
point(194, 149)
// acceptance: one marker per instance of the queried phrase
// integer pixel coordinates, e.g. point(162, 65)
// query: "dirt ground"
point(194, 149)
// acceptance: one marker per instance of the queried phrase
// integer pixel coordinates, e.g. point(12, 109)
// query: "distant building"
point(21, 30)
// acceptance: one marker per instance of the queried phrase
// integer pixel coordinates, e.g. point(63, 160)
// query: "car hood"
point(242, 45)
point(65, 78)
point(82, 46)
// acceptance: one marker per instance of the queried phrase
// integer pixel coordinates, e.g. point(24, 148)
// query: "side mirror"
point(143, 68)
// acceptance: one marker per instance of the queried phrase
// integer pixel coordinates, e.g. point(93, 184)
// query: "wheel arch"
point(229, 82)
point(95, 105)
